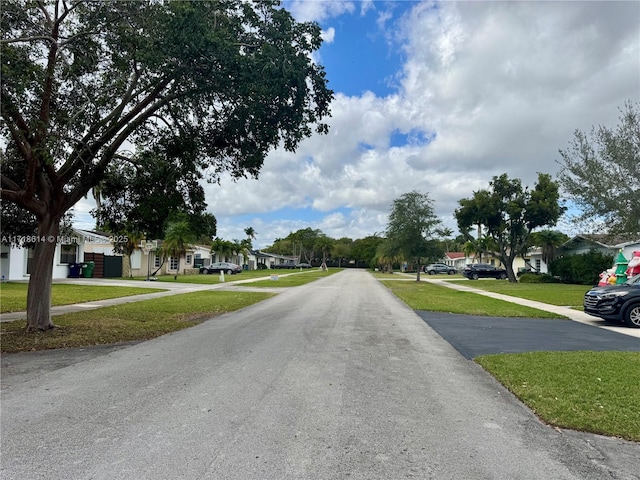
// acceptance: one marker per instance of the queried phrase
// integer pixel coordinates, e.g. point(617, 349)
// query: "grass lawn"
point(128, 322)
point(590, 391)
point(205, 279)
point(286, 279)
point(553, 293)
point(13, 296)
point(245, 275)
point(427, 296)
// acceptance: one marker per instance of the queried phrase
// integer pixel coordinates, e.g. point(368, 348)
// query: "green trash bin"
point(87, 269)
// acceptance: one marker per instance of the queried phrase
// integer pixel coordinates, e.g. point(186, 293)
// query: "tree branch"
point(28, 39)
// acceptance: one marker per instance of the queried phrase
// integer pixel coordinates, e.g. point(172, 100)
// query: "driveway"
point(473, 336)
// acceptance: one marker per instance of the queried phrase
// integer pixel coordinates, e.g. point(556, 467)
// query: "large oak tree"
point(84, 82)
point(508, 212)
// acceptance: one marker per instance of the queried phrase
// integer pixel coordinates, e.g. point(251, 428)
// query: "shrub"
point(538, 278)
point(581, 269)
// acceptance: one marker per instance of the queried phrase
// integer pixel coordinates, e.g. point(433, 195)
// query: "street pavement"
point(336, 379)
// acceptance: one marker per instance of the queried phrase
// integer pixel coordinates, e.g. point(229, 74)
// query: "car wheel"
point(203, 270)
point(229, 272)
point(474, 276)
point(451, 272)
point(503, 276)
point(431, 272)
point(632, 316)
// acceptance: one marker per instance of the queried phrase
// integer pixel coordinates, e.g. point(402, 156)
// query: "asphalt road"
point(336, 379)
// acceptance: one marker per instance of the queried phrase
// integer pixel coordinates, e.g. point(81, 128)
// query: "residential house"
point(272, 260)
point(15, 261)
point(606, 244)
point(456, 260)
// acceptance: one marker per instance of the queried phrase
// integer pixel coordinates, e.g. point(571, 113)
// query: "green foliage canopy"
point(508, 213)
point(83, 80)
point(411, 229)
point(601, 174)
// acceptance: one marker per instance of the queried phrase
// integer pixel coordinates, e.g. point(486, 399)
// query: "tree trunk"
point(508, 266)
point(39, 290)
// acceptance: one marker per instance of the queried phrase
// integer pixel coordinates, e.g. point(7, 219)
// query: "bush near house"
point(538, 278)
point(583, 269)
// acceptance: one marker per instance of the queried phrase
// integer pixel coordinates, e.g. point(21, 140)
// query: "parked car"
point(474, 271)
point(226, 267)
point(619, 303)
point(434, 268)
point(303, 265)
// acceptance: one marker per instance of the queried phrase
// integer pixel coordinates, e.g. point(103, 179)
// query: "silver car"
point(226, 267)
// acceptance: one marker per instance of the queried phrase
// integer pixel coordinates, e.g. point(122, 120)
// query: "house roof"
point(604, 240)
point(454, 255)
point(93, 236)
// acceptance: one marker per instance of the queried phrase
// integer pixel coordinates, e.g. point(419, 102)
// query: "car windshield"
point(633, 280)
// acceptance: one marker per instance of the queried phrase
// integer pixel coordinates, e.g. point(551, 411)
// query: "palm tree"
point(251, 233)
point(445, 233)
point(469, 248)
point(237, 248)
point(221, 248)
point(386, 256)
point(177, 238)
point(548, 241)
point(324, 243)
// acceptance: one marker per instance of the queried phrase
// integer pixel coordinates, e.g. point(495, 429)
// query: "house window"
point(188, 260)
point(173, 263)
point(538, 262)
point(156, 261)
point(68, 253)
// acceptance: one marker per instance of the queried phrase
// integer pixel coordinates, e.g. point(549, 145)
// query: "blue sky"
point(437, 97)
point(362, 59)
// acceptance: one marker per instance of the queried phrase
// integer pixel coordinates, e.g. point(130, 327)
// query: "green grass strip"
point(128, 322)
point(552, 293)
point(435, 298)
point(596, 392)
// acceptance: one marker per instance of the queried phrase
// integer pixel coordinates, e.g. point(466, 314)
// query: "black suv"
point(474, 271)
point(619, 303)
point(434, 268)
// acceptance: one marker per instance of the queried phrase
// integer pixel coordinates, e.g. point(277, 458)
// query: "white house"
point(15, 261)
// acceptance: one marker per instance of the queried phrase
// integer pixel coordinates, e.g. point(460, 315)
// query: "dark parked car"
point(474, 271)
point(434, 268)
point(620, 303)
point(218, 267)
point(303, 265)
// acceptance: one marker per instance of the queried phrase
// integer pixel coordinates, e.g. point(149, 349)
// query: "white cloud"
point(313, 10)
point(328, 35)
point(503, 85)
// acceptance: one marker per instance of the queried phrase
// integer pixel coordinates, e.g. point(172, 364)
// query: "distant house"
point(272, 260)
point(148, 262)
point(456, 260)
point(606, 244)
